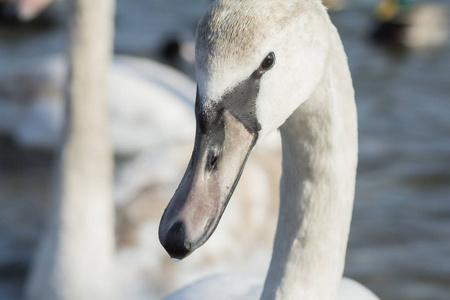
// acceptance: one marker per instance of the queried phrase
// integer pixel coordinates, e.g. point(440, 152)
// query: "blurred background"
point(399, 55)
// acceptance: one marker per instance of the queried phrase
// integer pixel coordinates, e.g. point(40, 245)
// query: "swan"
point(141, 191)
point(261, 66)
point(142, 184)
point(75, 258)
point(246, 287)
point(150, 109)
point(138, 90)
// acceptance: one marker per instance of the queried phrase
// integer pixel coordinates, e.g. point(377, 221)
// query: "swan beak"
point(220, 152)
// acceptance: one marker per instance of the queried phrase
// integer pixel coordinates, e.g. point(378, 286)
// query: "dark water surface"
point(400, 239)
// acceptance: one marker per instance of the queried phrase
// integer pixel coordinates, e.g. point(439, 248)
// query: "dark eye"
point(268, 62)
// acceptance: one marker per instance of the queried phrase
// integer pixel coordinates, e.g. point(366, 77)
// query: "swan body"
point(142, 188)
point(260, 66)
point(246, 287)
point(138, 91)
point(152, 104)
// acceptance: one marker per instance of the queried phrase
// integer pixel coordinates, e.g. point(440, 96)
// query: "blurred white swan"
point(232, 286)
point(143, 188)
point(151, 108)
point(31, 106)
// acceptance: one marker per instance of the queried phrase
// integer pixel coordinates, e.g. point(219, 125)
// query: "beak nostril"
point(213, 157)
point(175, 241)
point(212, 162)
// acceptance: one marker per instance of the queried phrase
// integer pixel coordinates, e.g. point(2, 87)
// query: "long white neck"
point(317, 189)
point(76, 257)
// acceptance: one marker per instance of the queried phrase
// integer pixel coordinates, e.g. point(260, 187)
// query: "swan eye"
point(268, 62)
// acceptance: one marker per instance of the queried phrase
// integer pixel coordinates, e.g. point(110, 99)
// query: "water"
point(400, 239)
point(399, 242)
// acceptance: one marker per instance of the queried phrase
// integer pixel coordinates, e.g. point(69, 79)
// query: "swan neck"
point(75, 260)
point(317, 189)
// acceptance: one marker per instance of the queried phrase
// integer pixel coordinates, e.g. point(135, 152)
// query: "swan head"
point(256, 62)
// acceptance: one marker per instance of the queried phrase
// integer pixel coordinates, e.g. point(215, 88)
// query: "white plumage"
point(308, 95)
